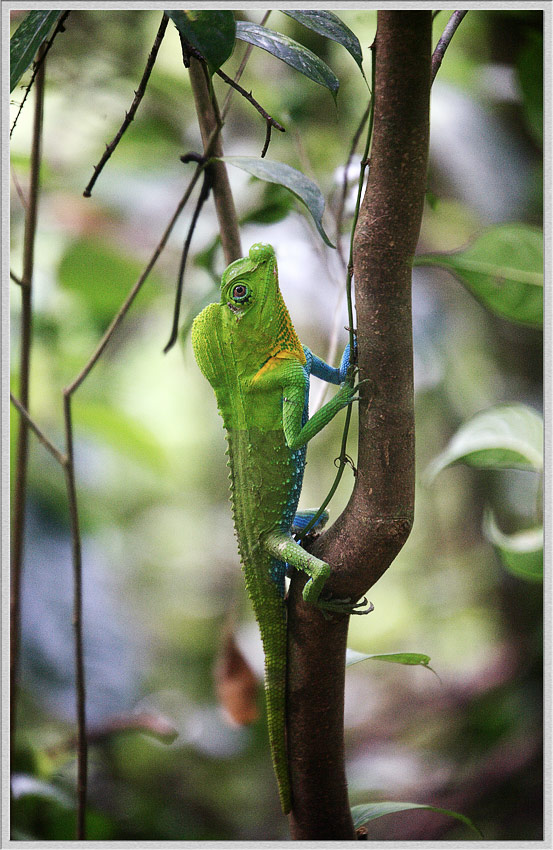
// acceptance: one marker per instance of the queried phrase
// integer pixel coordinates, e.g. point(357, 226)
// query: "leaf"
point(278, 172)
point(411, 658)
point(503, 269)
point(371, 811)
point(211, 32)
point(289, 51)
point(26, 40)
point(521, 553)
point(503, 437)
point(123, 433)
point(529, 70)
point(330, 26)
point(102, 276)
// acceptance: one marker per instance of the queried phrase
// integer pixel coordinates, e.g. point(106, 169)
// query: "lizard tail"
point(275, 695)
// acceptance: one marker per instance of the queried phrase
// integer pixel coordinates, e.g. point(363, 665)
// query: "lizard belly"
point(266, 477)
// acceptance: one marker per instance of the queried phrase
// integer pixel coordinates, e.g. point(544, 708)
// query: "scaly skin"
point(248, 350)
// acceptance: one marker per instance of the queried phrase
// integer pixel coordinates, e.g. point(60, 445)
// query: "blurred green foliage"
point(162, 580)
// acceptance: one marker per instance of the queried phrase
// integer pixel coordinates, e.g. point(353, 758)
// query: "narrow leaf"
point(289, 51)
point(330, 26)
point(284, 175)
point(503, 437)
point(370, 811)
point(411, 658)
point(26, 40)
point(520, 553)
point(211, 32)
point(503, 269)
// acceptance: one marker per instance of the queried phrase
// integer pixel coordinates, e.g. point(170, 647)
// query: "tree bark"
point(365, 539)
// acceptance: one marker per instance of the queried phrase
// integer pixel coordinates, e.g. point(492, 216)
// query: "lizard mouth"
point(234, 307)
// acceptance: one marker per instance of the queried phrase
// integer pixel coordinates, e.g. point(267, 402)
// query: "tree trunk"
point(365, 539)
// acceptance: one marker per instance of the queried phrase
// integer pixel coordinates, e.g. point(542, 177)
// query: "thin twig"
point(116, 321)
point(56, 454)
point(80, 686)
point(343, 193)
point(22, 457)
point(240, 71)
point(444, 40)
point(271, 122)
point(16, 279)
point(203, 196)
point(59, 28)
point(138, 95)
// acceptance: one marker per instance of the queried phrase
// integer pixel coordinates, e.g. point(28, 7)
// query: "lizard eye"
point(241, 293)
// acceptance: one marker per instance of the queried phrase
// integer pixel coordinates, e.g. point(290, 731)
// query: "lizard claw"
point(344, 606)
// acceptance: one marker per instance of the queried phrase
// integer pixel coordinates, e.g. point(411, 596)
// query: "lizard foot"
point(344, 606)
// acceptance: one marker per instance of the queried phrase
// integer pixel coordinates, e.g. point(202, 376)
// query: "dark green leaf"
point(503, 268)
point(503, 437)
point(328, 24)
point(211, 32)
point(289, 51)
point(278, 172)
point(529, 68)
point(26, 40)
point(521, 553)
point(370, 811)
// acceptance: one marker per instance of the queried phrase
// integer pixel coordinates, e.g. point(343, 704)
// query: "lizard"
point(247, 348)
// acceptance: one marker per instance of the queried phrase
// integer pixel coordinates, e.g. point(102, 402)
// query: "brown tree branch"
point(368, 535)
point(444, 40)
point(22, 452)
point(41, 436)
point(209, 120)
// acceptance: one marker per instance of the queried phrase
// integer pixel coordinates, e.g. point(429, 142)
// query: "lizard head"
point(253, 306)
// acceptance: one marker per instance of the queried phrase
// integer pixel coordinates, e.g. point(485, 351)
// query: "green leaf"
point(503, 437)
point(330, 26)
point(123, 433)
point(371, 811)
point(529, 69)
point(278, 172)
point(102, 276)
point(521, 553)
point(289, 51)
point(26, 40)
point(411, 658)
point(211, 32)
point(503, 269)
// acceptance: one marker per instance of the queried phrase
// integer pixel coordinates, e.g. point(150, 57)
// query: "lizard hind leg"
point(280, 545)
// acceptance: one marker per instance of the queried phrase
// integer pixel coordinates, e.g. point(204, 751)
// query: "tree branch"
point(368, 535)
point(22, 456)
point(444, 40)
point(210, 121)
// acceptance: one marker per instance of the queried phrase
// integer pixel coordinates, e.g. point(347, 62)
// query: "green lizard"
point(248, 350)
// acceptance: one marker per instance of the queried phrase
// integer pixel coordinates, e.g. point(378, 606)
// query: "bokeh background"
point(162, 583)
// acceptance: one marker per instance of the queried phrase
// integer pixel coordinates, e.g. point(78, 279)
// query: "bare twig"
point(16, 279)
point(444, 40)
point(343, 193)
point(271, 122)
point(138, 95)
point(240, 71)
point(20, 490)
point(204, 194)
point(118, 318)
point(80, 687)
point(42, 56)
point(56, 454)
